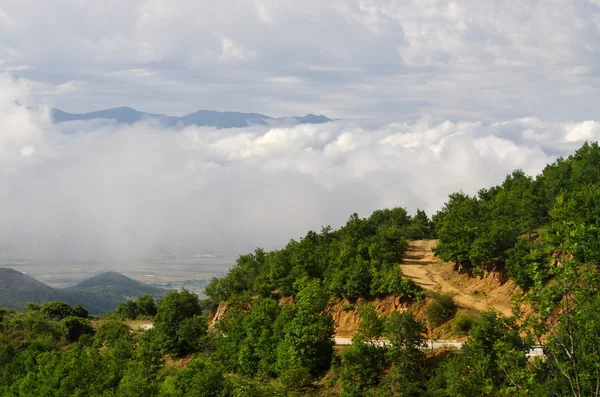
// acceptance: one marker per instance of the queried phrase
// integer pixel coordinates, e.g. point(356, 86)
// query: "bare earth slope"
point(478, 293)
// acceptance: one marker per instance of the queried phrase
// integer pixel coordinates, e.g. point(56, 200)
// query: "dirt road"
point(419, 264)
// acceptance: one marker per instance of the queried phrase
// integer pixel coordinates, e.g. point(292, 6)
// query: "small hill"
point(16, 289)
point(109, 289)
point(98, 294)
point(115, 284)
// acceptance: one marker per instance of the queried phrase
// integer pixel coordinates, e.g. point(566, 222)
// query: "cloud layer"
point(375, 61)
point(100, 191)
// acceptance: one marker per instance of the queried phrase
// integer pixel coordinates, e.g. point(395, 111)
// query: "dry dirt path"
point(418, 264)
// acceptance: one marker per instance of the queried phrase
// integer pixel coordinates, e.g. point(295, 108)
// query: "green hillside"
point(107, 290)
point(98, 294)
point(16, 289)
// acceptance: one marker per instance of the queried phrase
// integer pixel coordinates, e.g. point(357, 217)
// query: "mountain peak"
point(202, 118)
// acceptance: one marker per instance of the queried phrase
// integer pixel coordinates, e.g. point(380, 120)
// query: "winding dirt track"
point(417, 264)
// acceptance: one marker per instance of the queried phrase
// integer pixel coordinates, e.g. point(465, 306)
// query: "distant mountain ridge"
point(98, 294)
point(202, 118)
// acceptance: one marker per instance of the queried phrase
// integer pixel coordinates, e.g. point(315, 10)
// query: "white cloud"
point(230, 51)
point(97, 190)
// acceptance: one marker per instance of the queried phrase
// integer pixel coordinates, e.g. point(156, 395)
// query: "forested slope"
point(99, 294)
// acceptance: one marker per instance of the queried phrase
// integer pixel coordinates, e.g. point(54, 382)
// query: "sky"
point(428, 97)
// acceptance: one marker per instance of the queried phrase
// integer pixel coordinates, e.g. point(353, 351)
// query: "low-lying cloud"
point(100, 191)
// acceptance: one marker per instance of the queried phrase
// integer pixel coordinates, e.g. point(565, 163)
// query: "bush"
point(464, 323)
point(295, 378)
point(128, 309)
point(112, 331)
point(57, 310)
point(80, 311)
point(73, 327)
point(362, 366)
point(178, 322)
point(146, 305)
point(441, 309)
point(348, 307)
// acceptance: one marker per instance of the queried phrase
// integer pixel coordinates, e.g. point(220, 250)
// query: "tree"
point(406, 336)
point(80, 311)
point(363, 363)
point(457, 226)
point(113, 331)
point(491, 362)
point(146, 305)
point(57, 310)
point(128, 309)
point(307, 331)
point(371, 325)
point(421, 227)
point(73, 327)
point(441, 309)
point(175, 319)
point(201, 378)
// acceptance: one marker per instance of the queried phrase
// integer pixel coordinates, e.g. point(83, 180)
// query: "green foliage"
point(528, 263)
point(457, 225)
point(128, 309)
point(307, 332)
point(179, 323)
point(201, 378)
point(57, 310)
point(421, 227)
point(392, 283)
point(492, 362)
point(371, 324)
point(441, 309)
point(295, 378)
point(361, 367)
point(113, 332)
point(406, 336)
point(347, 260)
point(73, 327)
point(463, 324)
point(80, 311)
point(146, 305)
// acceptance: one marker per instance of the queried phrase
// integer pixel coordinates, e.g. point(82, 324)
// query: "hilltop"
point(16, 289)
point(209, 118)
point(98, 294)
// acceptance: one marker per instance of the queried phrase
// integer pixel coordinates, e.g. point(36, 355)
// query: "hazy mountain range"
point(98, 294)
point(200, 118)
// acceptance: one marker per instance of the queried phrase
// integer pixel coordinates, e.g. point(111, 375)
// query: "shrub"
point(112, 331)
point(146, 305)
point(128, 309)
point(80, 311)
point(441, 309)
point(295, 378)
point(348, 307)
point(57, 310)
point(73, 327)
point(464, 323)
point(362, 366)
